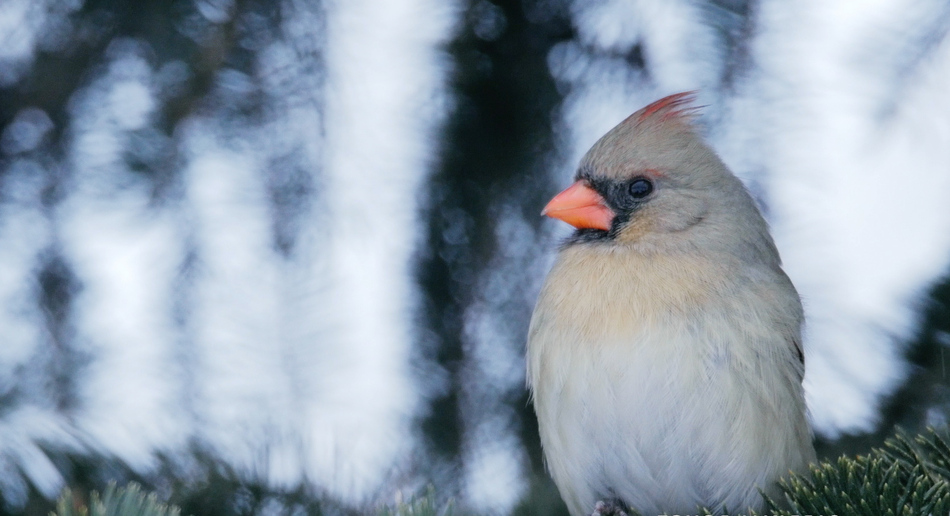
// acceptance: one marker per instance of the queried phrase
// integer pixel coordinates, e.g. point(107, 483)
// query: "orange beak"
point(580, 206)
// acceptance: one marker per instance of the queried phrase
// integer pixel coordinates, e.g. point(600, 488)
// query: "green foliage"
point(422, 506)
point(132, 501)
point(910, 476)
point(123, 501)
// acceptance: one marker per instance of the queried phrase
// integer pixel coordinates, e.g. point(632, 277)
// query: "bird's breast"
point(600, 294)
point(606, 323)
point(646, 370)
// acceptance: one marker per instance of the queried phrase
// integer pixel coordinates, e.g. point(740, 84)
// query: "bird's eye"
point(640, 188)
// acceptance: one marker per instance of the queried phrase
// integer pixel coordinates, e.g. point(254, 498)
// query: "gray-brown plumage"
point(664, 353)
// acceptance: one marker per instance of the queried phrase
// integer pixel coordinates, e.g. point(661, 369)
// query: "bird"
point(664, 354)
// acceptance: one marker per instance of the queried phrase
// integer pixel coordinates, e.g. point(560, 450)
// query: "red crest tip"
point(677, 105)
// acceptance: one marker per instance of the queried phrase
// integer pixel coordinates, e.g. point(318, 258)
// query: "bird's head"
point(652, 181)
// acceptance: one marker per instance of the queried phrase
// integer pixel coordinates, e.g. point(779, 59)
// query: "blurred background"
point(279, 256)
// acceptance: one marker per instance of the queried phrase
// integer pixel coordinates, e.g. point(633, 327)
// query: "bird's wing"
point(798, 350)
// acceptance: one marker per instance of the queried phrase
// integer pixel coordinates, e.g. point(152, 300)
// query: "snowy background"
point(270, 256)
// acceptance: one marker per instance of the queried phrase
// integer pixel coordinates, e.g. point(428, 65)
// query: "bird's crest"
point(678, 106)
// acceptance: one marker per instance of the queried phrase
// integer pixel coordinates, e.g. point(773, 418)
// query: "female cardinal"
point(664, 354)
